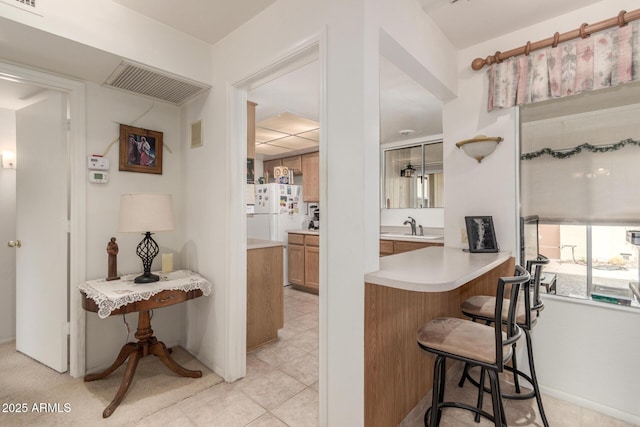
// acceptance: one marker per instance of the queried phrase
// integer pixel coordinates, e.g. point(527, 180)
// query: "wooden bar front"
point(398, 374)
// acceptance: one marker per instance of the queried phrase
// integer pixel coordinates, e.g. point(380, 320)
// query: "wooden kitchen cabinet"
point(312, 268)
point(304, 262)
point(251, 130)
point(391, 247)
point(265, 295)
point(311, 177)
point(295, 257)
point(267, 169)
point(386, 247)
point(312, 262)
point(294, 164)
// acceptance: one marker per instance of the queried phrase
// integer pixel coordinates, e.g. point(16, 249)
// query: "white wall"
point(348, 32)
point(107, 27)
point(213, 198)
point(587, 353)
point(211, 177)
point(572, 341)
point(7, 230)
point(473, 188)
point(107, 108)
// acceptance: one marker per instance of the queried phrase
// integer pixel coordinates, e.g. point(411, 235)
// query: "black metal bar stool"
point(477, 345)
point(481, 308)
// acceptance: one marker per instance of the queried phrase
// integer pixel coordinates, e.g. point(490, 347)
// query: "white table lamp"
point(146, 213)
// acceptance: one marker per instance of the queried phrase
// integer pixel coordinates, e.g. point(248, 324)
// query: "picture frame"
point(140, 150)
point(481, 234)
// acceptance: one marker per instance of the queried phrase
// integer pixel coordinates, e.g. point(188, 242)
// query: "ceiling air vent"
point(27, 5)
point(145, 81)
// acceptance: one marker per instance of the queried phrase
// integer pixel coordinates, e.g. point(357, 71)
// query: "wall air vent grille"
point(196, 134)
point(154, 84)
point(26, 5)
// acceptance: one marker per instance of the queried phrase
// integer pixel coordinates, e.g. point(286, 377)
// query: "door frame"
point(312, 48)
point(75, 91)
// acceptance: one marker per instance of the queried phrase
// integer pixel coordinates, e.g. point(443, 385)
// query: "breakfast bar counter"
point(409, 290)
point(433, 269)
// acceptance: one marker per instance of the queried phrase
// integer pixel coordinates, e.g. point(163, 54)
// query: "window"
point(579, 162)
point(413, 176)
point(588, 257)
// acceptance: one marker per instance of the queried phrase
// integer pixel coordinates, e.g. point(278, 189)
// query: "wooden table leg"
point(160, 350)
point(125, 351)
point(147, 344)
point(126, 382)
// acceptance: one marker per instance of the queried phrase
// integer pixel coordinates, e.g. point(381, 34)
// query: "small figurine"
point(112, 250)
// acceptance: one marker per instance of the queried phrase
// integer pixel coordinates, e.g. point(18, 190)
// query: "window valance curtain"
point(601, 60)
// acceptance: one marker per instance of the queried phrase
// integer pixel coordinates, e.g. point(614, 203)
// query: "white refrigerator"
point(278, 208)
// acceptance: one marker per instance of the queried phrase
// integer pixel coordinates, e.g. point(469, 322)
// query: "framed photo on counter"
point(481, 234)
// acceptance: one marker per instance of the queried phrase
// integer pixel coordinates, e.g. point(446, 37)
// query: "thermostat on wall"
point(98, 177)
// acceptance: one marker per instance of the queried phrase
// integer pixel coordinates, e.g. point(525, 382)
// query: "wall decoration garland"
point(563, 154)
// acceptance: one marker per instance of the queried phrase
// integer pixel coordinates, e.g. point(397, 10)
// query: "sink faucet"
point(412, 223)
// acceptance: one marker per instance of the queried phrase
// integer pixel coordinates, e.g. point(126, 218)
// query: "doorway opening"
point(308, 56)
point(69, 228)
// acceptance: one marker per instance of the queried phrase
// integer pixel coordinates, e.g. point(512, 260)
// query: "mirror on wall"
point(413, 176)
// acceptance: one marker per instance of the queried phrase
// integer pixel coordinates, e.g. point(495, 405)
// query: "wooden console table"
point(108, 298)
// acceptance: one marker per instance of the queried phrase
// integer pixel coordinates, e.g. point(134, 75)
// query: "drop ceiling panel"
point(313, 135)
point(271, 150)
point(288, 123)
point(294, 143)
point(265, 135)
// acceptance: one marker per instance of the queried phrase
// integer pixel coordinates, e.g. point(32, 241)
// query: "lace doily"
point(111, 295)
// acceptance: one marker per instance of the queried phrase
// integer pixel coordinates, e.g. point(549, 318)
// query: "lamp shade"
point(142, 212)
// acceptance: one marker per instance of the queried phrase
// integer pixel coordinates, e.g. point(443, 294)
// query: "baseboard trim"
point(7, 340)
point(589, 404)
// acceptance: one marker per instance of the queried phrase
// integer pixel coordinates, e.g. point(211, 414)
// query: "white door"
point(41, 228)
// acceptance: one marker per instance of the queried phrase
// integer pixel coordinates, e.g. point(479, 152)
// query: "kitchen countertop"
point(312, 232)
point(433, 269)
point(260, 244)
point(410, 238)
point(430, 234)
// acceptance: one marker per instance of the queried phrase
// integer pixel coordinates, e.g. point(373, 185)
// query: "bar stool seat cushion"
point(461, 337)
point(484, 306)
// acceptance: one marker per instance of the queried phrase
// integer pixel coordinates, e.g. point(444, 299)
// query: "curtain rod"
point(584, 31)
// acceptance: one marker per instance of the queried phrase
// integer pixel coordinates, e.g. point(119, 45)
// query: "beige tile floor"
point(281, 389)
point(519, 413)
point(281, 386)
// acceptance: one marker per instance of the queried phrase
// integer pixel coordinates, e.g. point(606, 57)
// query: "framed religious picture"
point(140, 150)
point(481, 234)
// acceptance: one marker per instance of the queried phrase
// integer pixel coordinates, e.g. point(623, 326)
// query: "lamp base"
point(147, 278)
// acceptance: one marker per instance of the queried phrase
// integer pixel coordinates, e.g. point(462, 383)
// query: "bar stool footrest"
point(458, 405)
point(512, 396)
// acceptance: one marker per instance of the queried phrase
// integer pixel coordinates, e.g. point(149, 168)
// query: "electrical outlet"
point(463, 236)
